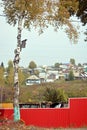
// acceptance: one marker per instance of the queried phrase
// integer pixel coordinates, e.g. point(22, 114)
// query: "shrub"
point(55, 95)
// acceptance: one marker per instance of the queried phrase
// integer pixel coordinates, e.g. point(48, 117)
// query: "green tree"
point(71, 75)
point(72, 61)
point(22, 77)
point(2, 64)
point(55, 95)
point(62, 96)
point(10, 65)
point(36, 72)
point(9, 78)
point(57, 65)
point(32, 65)
point(79, 65)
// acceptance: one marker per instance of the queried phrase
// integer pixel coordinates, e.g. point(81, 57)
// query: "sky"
point(46, 49)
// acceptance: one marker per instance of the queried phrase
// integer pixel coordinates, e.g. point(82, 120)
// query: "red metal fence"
point(75, 115)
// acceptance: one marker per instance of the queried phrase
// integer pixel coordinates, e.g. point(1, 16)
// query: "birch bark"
point(16, 67)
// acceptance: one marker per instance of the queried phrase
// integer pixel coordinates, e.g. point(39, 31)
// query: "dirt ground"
point(9, 125)
point(24, 127)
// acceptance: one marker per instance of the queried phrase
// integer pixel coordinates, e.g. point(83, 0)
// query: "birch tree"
point(40, 14)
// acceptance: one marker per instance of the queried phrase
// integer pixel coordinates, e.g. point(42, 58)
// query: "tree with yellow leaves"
point(39, 14)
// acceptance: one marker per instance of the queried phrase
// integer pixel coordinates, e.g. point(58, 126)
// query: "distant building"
point(33, 79)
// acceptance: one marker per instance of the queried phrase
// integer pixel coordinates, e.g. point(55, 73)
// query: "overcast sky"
point(46, 49)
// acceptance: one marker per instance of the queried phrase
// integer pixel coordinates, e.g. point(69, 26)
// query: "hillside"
point(77, 88)
point(34, 93)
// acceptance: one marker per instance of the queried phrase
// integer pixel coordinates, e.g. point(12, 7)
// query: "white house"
point(33, 79)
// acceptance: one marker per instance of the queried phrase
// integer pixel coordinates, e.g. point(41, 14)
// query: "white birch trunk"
point(16, 67)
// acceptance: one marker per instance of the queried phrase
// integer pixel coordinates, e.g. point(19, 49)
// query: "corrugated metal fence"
point(75, 115)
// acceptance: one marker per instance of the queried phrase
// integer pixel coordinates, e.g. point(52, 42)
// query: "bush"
point(55, 95)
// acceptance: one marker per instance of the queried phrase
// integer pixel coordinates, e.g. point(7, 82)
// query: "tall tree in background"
point(37, 13)
point(57, 65)
point(22, 77)
point(72, 61)
point(10, 65)
point(71, 75)
point(32, 66)
point(9, 78)
point(2, 64)
point(2, 80)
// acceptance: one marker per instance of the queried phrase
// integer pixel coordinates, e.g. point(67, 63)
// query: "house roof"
point(33, 77)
